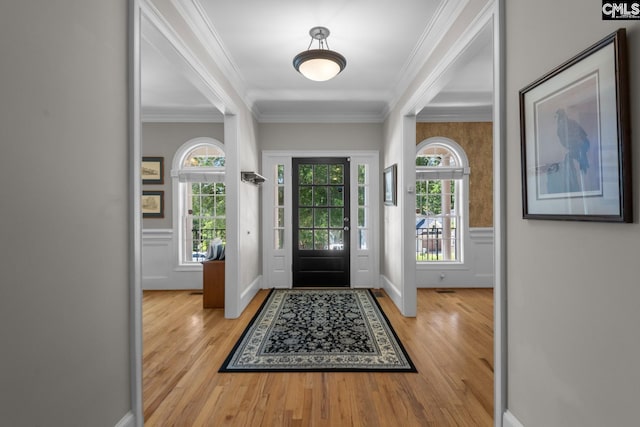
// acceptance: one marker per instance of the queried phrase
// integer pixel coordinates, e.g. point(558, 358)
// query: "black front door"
point(321, 222)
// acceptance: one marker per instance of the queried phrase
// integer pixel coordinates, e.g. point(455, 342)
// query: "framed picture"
point(153, 204)
point(575, 137)
point(152, 170)
point(390, 177)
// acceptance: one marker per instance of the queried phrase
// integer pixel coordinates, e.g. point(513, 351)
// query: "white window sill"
point(189, 267)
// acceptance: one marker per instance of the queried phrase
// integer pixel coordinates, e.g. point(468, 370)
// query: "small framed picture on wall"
point(152, 204)
point(152, 170)
point(390, 177)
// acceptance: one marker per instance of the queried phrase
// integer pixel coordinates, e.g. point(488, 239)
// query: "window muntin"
point(363, 205)
point(202, 201)
point(439, 188)
point(206, 216)
point(279, 206)
point(204, 156)
point(321, 206)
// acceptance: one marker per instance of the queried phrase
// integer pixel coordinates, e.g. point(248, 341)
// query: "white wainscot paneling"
point(475, 272)
point(280, 271)
point(363, 276)
point(157, 247)
point(159, 262)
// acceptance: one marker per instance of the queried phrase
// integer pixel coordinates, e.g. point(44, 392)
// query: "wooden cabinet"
point(213, 284)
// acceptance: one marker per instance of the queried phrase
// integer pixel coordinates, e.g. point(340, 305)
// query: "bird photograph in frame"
point(575, 136)
point(569, 152)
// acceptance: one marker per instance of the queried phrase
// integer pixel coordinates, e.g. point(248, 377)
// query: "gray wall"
point(64, 301)
point(320, 136)
point(573, 289)
point(163, 140)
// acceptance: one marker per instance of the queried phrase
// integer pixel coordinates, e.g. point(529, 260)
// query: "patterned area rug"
point(319, 330)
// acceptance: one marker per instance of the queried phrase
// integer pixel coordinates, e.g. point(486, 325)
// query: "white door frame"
point(276, 263)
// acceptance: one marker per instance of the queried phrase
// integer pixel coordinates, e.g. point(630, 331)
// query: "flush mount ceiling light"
point(320, 64)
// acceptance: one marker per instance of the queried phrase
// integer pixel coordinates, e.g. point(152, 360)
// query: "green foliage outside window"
point(208, 209)
point(320, 205)
point(429, 193)
point(209, 161)
point(431, 161)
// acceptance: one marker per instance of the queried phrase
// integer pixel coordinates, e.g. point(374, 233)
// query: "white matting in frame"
point(575, 138)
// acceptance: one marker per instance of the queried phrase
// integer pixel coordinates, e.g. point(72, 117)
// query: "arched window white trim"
point(197, 165)
point(461, 167)
point(186, 173)
point(441, 216)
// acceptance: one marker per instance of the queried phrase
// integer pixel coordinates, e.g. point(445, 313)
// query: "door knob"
point(346, 228)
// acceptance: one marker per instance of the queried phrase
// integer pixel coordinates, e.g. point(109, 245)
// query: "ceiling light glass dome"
point(320, 64)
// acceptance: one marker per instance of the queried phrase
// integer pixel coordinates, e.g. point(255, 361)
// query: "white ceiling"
point(385, 44)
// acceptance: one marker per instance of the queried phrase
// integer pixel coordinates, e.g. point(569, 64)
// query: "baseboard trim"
point(509, 420)
point(129, 420)
point(250, 292)
point(391, 290)
point(457, 286)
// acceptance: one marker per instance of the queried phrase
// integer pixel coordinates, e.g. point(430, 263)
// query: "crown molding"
point(196, 17)
point(432, 83)
point(193, 68)
point(359, 110)
point(455, 114)
point(440, 23)
point(180, 115)
point(320, 118)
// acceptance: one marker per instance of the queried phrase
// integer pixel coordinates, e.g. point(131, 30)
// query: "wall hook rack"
point(252, 177)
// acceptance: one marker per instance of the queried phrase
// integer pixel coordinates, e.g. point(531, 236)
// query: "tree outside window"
point(438, 211)
point(203, 207)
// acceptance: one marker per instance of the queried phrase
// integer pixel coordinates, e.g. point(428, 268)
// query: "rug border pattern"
point(392, 356)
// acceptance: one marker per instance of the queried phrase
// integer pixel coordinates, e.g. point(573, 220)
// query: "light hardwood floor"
point(450, 341)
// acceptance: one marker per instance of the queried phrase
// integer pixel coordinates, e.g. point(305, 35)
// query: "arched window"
point(442, 183)
point(198, 173)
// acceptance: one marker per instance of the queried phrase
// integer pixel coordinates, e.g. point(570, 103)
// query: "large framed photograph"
point(153, 204)
point(152, 170)
point(389, 180)
point(575, 136)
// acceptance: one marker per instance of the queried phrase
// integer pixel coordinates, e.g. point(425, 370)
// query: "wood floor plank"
point(450, 341)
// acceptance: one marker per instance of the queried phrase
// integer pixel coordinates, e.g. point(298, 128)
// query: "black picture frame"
point(575, 138)
point(152, 170)
point(389, 180)
point(152, 204)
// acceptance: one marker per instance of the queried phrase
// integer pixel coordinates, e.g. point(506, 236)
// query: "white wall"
point(572, 287)
point(159, 263)
point(475, 272)
point(391, 254)
point(250, 243)
point(320, 136)
point(64, 299)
